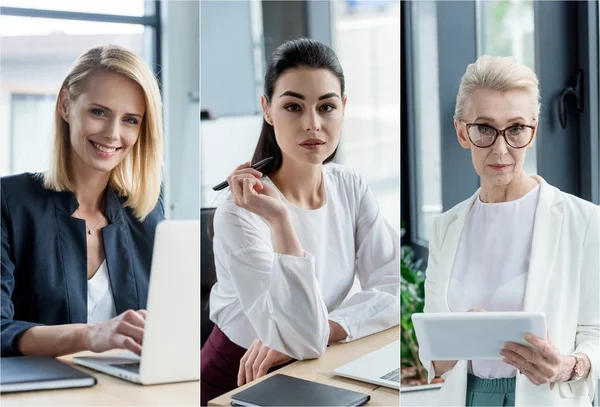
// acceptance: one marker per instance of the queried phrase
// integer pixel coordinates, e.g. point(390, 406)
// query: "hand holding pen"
point(250, 193)
point(257, 167)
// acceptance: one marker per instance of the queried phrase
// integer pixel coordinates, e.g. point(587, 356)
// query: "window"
point(506, 28)
point(35, 56)
point(125, 8)
point(427, 141)
point(366, 38)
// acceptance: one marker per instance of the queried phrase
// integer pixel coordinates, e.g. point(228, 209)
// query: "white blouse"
point(100, 302)
point(492, 261)
point(285, 300)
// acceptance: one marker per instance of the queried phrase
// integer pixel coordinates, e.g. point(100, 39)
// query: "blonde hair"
point(138, 177)
point(499, 74)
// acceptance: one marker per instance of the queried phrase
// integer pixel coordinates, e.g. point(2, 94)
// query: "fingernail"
point(528, 336)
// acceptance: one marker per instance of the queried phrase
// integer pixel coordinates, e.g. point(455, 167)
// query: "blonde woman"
point(518, 244)
point(77, 240)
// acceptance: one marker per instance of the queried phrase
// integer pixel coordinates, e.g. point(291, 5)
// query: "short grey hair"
point(499, 74)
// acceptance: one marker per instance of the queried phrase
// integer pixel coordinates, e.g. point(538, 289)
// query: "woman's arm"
point(285, 240)
point(587, 338)
point(278, 292)
point(9, 329)
point(434, 368)
point(125, 331)
point(377, 306)
point(55, 340)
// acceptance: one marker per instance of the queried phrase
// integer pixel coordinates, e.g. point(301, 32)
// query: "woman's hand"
point(542, 364)
point(336, 332)
point(257, 360)
point(125, 331)
point(250, 193)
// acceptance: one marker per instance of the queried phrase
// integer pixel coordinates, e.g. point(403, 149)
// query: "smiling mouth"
point(104, 149)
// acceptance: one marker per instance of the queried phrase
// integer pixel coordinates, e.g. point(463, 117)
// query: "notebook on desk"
point(27, 373)
point(283, 390)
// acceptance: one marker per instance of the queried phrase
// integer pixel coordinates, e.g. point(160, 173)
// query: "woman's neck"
point(89, 188)
point(301, 184)
point(518, 188)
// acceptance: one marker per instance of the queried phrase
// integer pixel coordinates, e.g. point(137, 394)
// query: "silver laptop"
point(380, 367)
point(171, 347)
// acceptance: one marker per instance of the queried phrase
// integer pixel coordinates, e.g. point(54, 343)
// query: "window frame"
point(152, 20)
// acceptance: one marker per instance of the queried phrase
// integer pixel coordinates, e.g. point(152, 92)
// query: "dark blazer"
point(44, 257)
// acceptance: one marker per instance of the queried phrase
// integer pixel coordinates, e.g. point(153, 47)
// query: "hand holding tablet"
point(474, 335)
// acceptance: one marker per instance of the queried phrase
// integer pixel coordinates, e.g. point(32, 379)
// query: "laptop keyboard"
point(393, 376)
point(130, 367)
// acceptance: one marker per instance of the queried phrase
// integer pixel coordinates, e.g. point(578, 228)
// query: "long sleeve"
point(9, 329)
point(279, 294)
point(376, 307)
point(587, 340)
point(430, 290)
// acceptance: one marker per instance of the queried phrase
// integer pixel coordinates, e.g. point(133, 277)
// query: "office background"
point(39, 42)
point(559, 41)
point(237, 38)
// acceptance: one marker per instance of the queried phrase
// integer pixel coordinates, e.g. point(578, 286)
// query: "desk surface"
point(321, 370)
point(109, 391)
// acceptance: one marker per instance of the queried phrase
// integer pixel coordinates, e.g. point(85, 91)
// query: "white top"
point(100, 302)
point(285, 300)
point(492, 261)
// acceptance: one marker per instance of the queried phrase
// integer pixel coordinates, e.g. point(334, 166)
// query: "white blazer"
point(563, 281)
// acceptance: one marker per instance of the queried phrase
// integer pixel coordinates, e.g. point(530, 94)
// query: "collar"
point(66, 201)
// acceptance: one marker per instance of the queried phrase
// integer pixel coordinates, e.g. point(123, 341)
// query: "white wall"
point(226, 143)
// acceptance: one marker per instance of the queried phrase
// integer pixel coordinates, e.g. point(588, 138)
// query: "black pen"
point(258, 166)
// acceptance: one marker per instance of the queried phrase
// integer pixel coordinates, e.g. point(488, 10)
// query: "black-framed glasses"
point(484, 135)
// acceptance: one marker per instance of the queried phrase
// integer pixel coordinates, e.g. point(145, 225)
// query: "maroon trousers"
point(219, 365)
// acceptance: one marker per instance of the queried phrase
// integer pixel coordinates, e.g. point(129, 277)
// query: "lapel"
point(449, 245)
point(73, 254)
point(546, 235)
point(117, 250)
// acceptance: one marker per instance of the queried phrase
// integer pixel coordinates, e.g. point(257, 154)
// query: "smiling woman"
point(101, 136)
point(65, 287)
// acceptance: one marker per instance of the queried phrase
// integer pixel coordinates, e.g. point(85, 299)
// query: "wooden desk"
point(109, 391)
point(321, 370)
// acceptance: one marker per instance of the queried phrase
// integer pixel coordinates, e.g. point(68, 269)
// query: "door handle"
point(575, 91)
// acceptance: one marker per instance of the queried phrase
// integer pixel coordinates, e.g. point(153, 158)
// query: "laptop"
point(380, 367)
point(171, 347)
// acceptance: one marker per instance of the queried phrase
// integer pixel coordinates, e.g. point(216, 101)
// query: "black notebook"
point(26, 373)
point(282, 390)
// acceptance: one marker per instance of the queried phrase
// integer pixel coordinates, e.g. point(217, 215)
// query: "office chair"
point(208, 276)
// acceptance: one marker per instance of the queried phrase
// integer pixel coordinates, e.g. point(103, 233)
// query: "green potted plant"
point(412, 299)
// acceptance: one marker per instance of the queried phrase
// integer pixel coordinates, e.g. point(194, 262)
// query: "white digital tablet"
point(473, 335)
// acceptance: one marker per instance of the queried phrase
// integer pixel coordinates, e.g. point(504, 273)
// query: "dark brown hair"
point(302, 52)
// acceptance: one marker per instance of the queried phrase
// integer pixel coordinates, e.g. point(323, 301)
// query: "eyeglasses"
point(484, 135)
